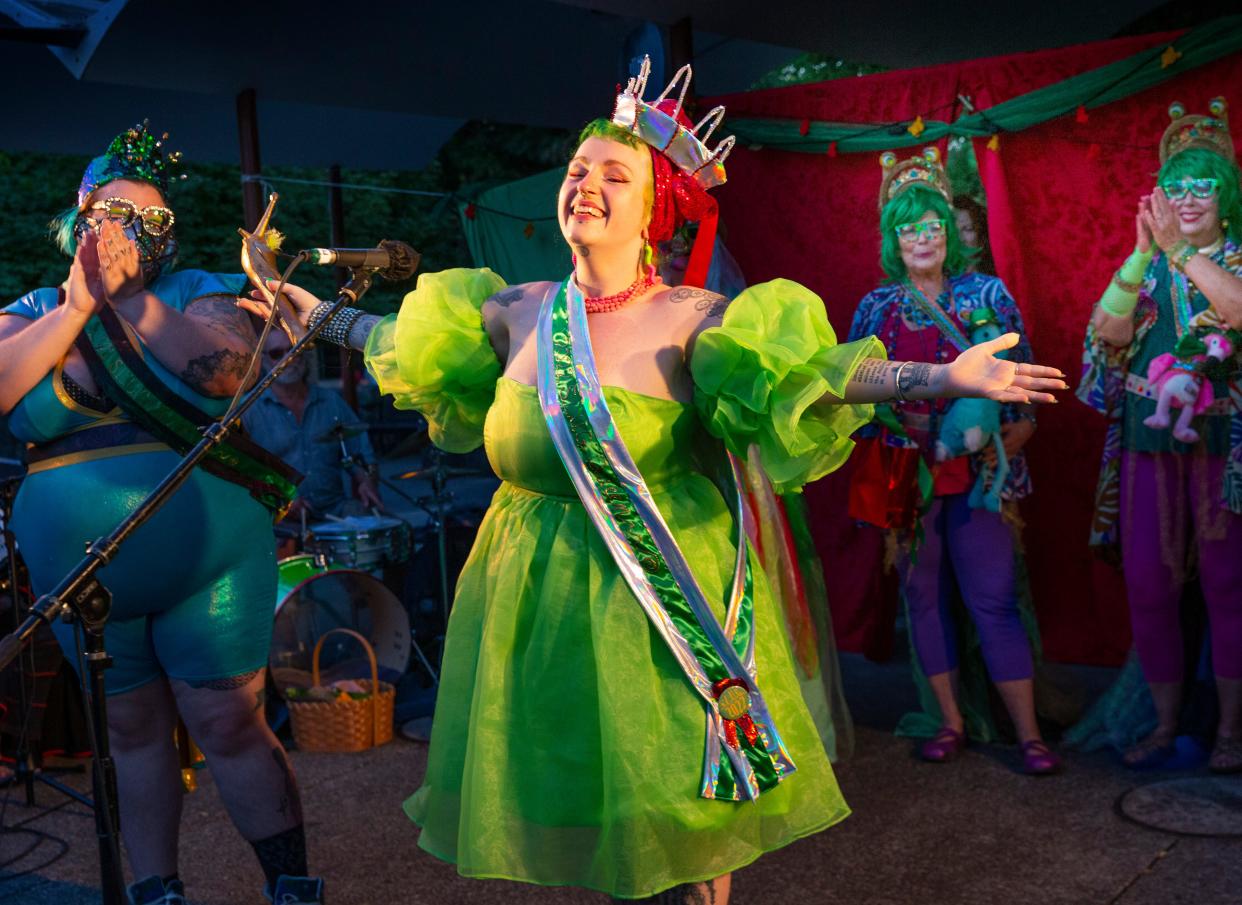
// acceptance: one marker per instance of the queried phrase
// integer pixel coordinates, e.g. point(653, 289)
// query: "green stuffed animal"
point(970, 424)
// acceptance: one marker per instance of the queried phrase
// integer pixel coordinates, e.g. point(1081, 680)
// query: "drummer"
point(306, 425)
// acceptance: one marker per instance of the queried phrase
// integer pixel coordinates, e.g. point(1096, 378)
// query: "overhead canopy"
point(901, 34)
point(384, 84)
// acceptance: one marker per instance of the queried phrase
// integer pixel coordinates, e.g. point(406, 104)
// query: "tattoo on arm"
point(203, 372)
point(221, 314)
point(508, 297)
point(917, 375)
point(873, 371)
point(361, 329)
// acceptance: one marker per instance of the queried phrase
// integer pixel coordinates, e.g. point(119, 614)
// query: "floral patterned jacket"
point(881, 312)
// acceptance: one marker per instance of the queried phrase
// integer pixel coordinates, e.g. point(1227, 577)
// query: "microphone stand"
point(81, 595)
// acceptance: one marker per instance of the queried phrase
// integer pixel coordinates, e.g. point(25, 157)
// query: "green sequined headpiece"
point(134, 154)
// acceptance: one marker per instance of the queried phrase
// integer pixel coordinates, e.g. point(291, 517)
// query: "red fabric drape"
point(1061, 201)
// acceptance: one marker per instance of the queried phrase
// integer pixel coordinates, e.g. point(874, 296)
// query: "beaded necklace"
point(1183, 289)
point(602, 303)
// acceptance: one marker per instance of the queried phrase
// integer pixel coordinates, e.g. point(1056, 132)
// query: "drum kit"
point(387, 577)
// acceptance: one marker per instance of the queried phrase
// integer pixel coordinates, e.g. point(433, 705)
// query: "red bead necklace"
point(599, 304)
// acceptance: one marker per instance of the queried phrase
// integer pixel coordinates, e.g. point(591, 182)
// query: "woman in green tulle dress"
point(618, 709)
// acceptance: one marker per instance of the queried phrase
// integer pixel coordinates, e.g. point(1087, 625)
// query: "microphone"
point(393, 260)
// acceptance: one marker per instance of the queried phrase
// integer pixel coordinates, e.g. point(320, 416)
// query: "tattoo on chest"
point(710, 302)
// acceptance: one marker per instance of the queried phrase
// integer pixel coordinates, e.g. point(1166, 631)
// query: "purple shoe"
point(943, 747)
point(1039, 760)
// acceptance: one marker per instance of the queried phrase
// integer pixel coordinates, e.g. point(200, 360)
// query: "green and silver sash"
point(743, 752)
point(118, 366)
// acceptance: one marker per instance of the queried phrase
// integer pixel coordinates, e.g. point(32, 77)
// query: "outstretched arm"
point(305, 305)
point(976, 372)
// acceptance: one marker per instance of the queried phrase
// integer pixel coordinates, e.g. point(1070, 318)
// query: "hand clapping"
point(1160, 220)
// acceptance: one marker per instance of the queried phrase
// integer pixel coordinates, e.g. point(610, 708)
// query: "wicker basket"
point(345, 724)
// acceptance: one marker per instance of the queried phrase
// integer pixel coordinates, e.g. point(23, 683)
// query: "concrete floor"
point(971, 833)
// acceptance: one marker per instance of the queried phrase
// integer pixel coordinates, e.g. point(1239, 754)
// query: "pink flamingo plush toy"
point(1179, 383)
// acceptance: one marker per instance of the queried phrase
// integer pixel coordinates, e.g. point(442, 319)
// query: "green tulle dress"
point(567, 746)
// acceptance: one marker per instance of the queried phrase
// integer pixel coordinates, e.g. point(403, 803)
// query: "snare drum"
point(365, 542)
point(311, 599)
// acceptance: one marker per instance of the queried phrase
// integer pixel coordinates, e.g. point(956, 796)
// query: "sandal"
point(1150, 754)
point(1039, 760)
point(1226, 755)
point(944, 746)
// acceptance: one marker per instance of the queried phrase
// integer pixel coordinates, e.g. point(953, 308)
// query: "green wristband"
point(1121, 296)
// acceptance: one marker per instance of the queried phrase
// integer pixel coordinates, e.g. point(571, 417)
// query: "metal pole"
point(336, 232)
point(248, 136)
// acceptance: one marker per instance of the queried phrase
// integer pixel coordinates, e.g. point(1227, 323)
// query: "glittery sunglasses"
point(156, 221)
point(910, 232)
point(1200, 188)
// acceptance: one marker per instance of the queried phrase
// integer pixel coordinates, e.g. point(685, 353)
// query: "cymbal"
point(444, 471)
point(341, 431)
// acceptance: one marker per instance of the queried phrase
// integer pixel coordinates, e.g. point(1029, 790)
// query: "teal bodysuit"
point(193, 589)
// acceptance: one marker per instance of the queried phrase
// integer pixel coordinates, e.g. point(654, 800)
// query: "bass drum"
point(312, 599)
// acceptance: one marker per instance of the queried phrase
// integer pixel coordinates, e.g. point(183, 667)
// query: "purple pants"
point(975, 547)
point(1171, 511)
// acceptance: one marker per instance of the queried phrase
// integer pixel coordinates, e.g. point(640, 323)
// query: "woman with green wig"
point(947, 542)
point(618, 709)
point(1162, 338)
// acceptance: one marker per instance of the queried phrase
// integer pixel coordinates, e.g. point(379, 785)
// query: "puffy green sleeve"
point(759, 374)
point(434, 355)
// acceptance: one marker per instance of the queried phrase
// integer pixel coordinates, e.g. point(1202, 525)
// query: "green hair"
point(60, 230)
point(610, 131)
point(1200, 163)
point(909, 207)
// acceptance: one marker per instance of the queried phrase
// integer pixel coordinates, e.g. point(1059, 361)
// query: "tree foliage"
point(36, 187)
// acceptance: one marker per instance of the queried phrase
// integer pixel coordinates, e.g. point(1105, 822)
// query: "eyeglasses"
point(156, 221)
point(1200, 188)
point(910, 232)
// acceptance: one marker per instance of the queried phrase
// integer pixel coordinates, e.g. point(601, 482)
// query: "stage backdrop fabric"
point(1061, 200)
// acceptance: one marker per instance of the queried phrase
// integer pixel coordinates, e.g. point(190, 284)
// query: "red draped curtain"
point(1061, 202)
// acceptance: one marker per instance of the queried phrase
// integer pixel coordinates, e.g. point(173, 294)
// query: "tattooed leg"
point(250, 768)
point(284, 853)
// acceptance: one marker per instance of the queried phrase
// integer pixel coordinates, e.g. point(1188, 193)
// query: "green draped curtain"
point(512, 229)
